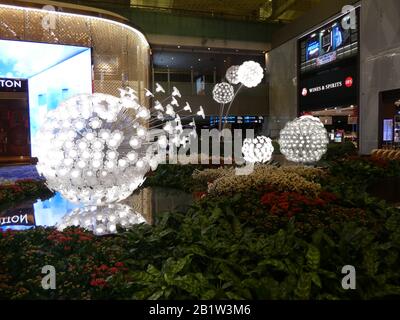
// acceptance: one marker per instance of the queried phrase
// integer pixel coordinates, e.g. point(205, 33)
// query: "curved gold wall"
point(121, 54)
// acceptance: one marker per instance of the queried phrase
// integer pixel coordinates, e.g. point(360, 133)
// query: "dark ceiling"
point(251, 10)
point(255, 10)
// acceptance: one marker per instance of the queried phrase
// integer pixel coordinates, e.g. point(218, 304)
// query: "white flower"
point(256, 150)
point(232, 75)
point(250, 74)
point(223, 92)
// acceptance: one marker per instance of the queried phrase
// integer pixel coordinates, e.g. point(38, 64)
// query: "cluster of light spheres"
point(258, 150)
point(94, 149)
point(304, 140)
point(250, 74)
point(232, 75)
point(223, 92)
point(101, 220)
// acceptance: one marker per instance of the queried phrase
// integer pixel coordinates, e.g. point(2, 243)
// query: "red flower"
point(113, 270)
point(119, 264)
point(103, 267)
point(98, 282)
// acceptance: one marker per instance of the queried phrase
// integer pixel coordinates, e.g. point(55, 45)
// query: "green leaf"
point(313, 258)
point(156, 295)
point(316, 279)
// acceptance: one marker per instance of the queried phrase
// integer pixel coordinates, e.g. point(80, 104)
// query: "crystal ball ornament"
point(102, 220)
point(232, 75)
point(304, 140)
point(90, 149)
point(250, 74)
point(223, 92)
point(258, 150)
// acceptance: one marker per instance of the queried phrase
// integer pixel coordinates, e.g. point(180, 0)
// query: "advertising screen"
point(54, 73)
point(331, 42)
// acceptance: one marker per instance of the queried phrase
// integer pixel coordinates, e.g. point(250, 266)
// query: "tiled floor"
point(18, 172)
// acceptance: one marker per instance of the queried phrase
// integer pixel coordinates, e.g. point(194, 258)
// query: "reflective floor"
point(148, 202)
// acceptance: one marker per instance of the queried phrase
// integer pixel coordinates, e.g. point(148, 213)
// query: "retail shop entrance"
point(14, 119)
point(389, 119)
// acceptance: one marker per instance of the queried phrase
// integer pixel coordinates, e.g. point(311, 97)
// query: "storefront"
point(14, 118)
point(328, 74)
point(389, 119)
point(44, 64)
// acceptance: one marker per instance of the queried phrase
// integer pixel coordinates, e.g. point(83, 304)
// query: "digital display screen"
point(328, 39)
point(312, 50)
point(54, 73)
point(388, 130)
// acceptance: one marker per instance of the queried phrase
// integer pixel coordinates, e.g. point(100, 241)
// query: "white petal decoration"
point(201, 113)
point(159, 88)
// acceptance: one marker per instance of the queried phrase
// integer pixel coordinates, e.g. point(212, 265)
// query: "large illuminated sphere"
point(232, 75)
point(92, 148)
point(304, 140)
point(101, 220)
point(257, 150)
point(250, 74)
point(223, 92)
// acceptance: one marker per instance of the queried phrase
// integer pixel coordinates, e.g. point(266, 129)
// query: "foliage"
point(279, 178)
point(338, 151)
point(262, 242)
point(173, 176)
point(21, 189)
point(206, 253)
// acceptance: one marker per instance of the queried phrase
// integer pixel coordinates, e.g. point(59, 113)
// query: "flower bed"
point(281, 179)
point(21, 189)
point(281, 233)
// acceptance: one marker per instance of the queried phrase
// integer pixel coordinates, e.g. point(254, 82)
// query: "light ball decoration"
point(250, 74)
point(257, 150)
point(94, 149)
point(232, 74)
point(304, 140)
point(223, 92)
point(102, 220)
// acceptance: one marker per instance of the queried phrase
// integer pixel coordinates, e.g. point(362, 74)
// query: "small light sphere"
point(258, 150)
point(304, 140)
point(223, 92)
point(232, 74)
point(250, 74)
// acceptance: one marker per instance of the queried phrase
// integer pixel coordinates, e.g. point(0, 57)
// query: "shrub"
point(21, 189)
point(279, 178)
point(338, 151)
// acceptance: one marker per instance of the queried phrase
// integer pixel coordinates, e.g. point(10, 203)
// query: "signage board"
point(329, 88)
point(13, 85)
